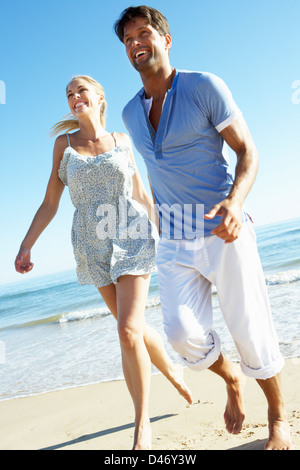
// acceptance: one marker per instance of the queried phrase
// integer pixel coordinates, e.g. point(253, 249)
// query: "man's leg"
point(186, 305)
point(187, 313)
point(279, 430)
point(245, 306)
point(234, 412)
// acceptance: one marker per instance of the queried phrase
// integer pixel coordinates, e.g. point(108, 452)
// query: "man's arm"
point(238, 137)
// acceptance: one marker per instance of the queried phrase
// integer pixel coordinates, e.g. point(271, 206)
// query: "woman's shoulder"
point(61, 142)
point(60, 145)
point(123, 139)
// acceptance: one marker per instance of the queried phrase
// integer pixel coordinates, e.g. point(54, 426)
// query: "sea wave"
point(284, 277)
point(99, 312)
point(78, 315)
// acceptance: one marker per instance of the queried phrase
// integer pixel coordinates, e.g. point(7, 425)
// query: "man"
point(179, 122)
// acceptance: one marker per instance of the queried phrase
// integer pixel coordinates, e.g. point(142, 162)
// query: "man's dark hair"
point(153, 17)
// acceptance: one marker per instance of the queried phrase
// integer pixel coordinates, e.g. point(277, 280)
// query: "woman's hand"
point(46, 211)
point(22, 263)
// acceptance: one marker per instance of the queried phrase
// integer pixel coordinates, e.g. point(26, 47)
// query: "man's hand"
point(230, 227)
point(239, 139)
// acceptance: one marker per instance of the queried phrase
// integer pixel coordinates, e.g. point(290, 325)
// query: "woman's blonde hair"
point(69, 122)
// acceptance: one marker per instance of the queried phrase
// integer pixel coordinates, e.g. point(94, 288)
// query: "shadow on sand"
point(105, 432)
point(259, 444)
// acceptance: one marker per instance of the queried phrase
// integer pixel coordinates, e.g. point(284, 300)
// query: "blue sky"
point(253, 45)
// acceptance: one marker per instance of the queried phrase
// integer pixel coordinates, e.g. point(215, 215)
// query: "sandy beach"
point(100, 416)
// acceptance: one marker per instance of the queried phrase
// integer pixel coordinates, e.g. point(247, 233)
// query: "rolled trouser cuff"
point(265, 372)
point(209, 359)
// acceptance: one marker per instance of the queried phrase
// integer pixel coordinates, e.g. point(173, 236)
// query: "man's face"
point(145, 47)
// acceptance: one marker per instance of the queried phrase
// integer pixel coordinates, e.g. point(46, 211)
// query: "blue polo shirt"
point(186, 158)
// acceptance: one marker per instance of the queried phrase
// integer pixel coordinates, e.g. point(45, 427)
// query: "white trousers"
point(186, 271)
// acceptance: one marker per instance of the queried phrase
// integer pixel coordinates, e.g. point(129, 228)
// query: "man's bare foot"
point(279, 429)
point(143, 437)
point(279, 437)
point(234, 413)
point(176, 378)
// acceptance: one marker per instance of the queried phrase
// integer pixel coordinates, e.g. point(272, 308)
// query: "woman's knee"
point(129, 335)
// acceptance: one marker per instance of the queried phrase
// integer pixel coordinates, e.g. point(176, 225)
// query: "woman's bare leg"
point(131, 292)
point(161, 360)
point(154, 345)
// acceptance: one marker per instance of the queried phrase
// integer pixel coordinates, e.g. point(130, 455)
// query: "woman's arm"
point(46, 211)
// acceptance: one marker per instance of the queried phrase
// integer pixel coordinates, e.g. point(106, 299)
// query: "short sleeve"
point(216, 101)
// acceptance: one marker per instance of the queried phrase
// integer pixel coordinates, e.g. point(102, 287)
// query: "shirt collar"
point(147, 102)
point(141, 93)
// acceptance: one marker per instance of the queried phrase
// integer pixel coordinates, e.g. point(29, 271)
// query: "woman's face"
point(83, 98)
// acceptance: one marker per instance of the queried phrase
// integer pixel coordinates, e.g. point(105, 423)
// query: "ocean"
point(55, 334)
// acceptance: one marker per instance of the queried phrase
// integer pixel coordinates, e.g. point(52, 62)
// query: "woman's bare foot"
point(176, 378)
point(143, 437)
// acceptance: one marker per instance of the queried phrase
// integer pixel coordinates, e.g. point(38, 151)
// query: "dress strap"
point(68, 140)
point(114, 136)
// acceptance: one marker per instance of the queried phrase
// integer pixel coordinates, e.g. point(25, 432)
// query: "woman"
point(114, 255)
